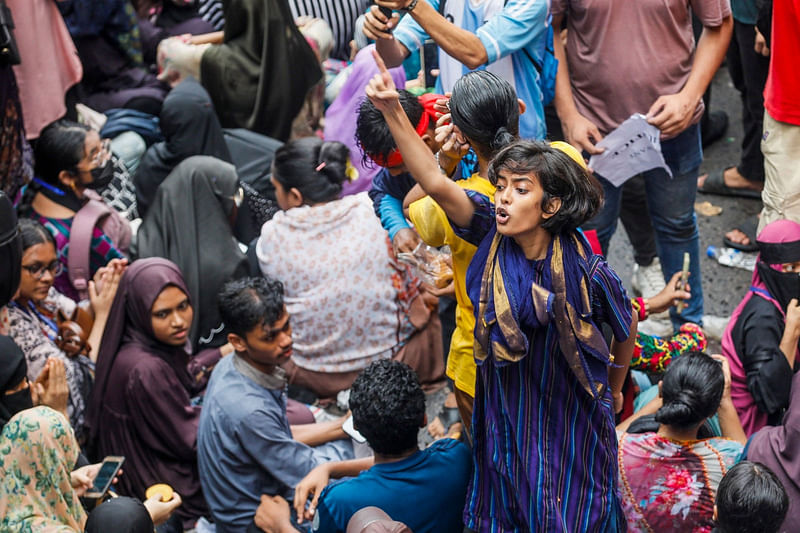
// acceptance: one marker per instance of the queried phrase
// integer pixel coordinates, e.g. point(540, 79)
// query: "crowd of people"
point(341, 266)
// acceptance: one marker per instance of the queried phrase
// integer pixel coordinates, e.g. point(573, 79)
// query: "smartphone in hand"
point(108, 471)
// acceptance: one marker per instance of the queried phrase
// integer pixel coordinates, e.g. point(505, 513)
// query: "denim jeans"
point(671, 204)
point(129, 147)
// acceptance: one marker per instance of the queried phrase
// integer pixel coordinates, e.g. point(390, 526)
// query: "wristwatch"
point(410, 7)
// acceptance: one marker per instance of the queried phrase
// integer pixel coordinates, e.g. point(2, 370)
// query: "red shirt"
point(782, 92)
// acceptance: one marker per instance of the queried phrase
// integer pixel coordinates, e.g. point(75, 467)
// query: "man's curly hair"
point(388, 406)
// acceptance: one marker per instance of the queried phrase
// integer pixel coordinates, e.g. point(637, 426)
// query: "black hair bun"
point(334, 155)
point(678, 411)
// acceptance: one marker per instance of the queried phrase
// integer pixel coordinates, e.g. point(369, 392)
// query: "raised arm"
point(420, 162)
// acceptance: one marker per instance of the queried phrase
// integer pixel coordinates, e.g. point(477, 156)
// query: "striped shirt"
point(545, 451)
point(340, 15)
point(102, 250)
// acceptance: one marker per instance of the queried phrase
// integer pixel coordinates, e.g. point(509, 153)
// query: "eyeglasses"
point(37, 269)
point(103, 153)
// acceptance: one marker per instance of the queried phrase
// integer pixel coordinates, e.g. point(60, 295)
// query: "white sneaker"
point(648, 280)
point(714, 326)
point(657, 327)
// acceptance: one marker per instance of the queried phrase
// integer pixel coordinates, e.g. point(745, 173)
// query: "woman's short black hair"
point(32, 232)
point(691, 390)
point(559, 176)
point(297, 162)
point(250, 302)
point(61, 146)
point(751, 499)
point(372, 132)
point(388, 406)
point(486, 110)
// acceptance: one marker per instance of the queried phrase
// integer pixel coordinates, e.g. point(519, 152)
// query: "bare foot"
point(738, 237)
point(732, 178)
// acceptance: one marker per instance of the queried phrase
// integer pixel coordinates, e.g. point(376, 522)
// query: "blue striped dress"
point(545, 450)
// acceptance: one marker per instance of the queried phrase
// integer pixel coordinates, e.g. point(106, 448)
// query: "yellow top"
point(433, 227)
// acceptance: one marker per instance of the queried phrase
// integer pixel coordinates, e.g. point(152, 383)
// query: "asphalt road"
point(723, 287)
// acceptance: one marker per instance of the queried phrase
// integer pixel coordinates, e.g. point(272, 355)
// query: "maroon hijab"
point(129, 324)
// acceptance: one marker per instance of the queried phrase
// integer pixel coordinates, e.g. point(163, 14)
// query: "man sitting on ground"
point(246, 446)
point(424, 489)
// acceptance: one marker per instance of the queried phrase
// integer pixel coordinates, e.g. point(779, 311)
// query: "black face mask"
point(783, 286)
point(101, 176)
point(17, 401)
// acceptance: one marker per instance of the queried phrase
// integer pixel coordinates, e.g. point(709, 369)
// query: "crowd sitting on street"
point(346, 266)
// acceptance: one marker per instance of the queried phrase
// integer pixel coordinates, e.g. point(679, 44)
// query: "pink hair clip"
point(320, 166)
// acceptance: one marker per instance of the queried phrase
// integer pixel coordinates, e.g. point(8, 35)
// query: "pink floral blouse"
point(667, 485)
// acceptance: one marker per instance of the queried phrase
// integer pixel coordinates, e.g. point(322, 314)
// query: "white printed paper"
point(634, 147)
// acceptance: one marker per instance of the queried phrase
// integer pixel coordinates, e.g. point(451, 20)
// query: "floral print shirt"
point(667, 485)
point(348, 297)
point(38, 451)
point(36, 335)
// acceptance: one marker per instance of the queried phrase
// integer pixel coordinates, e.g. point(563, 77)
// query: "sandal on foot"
point(715, 184)
point(748, 227)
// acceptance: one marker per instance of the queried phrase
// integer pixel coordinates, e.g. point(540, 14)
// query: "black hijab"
point(778, 243)
point(189, 224)
point(120, 515)
point(13, 368)
point(10, 251)
point(190, 127)
point(259, 77)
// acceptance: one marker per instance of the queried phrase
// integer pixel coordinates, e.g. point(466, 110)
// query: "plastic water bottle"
point(733, 258)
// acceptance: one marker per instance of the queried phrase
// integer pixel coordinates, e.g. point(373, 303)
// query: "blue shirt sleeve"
point(482, 221)
point(520, 24)
point(610, 302)
point(410, 34)
point(264, 436)
point(387, 196)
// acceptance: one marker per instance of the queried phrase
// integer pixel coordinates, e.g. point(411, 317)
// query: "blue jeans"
point(129, 147)
point(671, 205)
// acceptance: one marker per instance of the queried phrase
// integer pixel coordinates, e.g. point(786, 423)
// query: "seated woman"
point(776, 447)
point(39, 485)
point(191, 223)
point(71, 163)
point(761, 340)
point(190, 127)
point(668, 479)
point(34, 313)
point(10, 258)
point(109, 45)
point(350, 301)
point(142, 406)
point(18, 394)
point(160, 19)
point(260, 74)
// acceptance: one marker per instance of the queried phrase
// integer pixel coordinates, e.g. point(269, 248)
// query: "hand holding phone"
point(682, 282)
point(95, 480)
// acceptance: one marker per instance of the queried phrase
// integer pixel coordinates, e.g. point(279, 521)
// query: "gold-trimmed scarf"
point(573, 325)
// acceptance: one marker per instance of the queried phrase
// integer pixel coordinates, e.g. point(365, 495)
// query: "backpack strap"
point(80, 244)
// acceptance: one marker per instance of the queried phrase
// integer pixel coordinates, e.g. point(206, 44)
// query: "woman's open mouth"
point(501, 215)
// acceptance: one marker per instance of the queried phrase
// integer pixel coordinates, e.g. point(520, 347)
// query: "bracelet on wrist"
point(410, 7)
point(640, 307)
point(441, 168)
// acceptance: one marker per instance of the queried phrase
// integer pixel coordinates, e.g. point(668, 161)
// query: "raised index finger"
point(379, 62)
